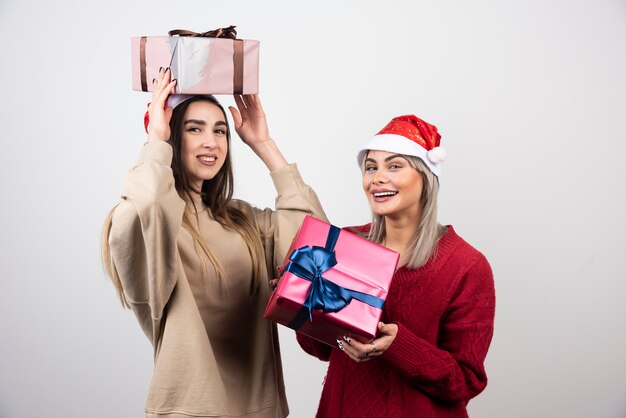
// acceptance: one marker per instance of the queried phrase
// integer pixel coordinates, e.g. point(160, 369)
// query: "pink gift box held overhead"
point(201, 64)
point(333, 283)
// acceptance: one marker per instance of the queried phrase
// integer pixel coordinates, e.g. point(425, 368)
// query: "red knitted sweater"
point(445, 313)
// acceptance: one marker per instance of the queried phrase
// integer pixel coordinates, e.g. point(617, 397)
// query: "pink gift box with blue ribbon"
point(333, 283)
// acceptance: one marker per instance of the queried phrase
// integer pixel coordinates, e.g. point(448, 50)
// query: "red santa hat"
point(408, 135)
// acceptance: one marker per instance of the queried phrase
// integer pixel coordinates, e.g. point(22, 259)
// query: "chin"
point(381, 211)
point(209, 175)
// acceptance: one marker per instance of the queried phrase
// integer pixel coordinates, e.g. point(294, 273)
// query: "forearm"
point(442, 374)
point(450, 364)
point(143, 233)
point(295, 200)
point(150, 183)
point(270, 154)
point(313, 347)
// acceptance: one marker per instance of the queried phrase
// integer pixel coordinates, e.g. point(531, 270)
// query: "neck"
point(399, 232)
point(197, 189)
point(193, 197)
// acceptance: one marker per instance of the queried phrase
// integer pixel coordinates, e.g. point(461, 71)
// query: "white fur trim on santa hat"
point(403, 145)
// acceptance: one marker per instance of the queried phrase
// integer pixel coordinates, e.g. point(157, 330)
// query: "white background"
point(530, 97)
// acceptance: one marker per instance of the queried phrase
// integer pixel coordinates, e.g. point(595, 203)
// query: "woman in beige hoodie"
point(194, 264)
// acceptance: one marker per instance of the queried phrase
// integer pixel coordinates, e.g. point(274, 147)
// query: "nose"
point(208, 142)
point(379, 177)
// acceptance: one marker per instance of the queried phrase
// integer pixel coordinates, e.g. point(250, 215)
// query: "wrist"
point(269, 153)
point(157, 138)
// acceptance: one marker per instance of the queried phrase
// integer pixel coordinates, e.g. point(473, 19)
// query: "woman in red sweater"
point(437, 324)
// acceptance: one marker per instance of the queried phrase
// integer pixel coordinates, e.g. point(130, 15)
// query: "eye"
point(220, 131)
point(370, 168)
point(194, 130)
point(395, 164)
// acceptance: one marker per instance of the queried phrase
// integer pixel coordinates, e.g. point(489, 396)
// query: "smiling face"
point(204, 141)
point(392, 185)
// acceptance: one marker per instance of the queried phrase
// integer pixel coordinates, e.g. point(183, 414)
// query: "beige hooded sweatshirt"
point(215, 355)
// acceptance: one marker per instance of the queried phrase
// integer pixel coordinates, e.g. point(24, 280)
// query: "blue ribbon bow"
point(310, 263)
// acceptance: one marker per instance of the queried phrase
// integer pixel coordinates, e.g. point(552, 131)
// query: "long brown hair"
point(216, 195)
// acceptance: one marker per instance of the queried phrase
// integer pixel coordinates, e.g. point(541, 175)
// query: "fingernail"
point(167, 69)
point(347, 339)
point(153, 80)
point(160, 69)
point(174, 80)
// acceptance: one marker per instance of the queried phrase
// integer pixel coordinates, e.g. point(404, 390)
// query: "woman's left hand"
point(250, 121)
point(251, 125)
point(363, 352)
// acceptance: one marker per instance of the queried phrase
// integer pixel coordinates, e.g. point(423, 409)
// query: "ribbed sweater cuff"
point(405, 350)
point(159, 151)
point(287, 180)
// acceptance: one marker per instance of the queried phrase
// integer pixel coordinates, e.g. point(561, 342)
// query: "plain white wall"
point(530, 97)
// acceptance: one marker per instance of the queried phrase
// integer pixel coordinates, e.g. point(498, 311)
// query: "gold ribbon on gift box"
point(228, 33)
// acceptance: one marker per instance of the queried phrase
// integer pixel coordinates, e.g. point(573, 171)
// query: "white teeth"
point(385, 194)
point(208, 159)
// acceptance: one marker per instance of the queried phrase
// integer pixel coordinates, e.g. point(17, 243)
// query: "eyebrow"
point(391, 157)
point(203, 123)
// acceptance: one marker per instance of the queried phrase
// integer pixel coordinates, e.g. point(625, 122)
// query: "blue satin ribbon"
point(310, 263)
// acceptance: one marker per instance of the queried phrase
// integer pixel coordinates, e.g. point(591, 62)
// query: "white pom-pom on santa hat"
point(437, 155)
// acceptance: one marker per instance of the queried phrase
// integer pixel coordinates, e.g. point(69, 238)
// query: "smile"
point(207, 160)
point(385, 194)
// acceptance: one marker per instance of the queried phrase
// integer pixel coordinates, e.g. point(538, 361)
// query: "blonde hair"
point(423, 244)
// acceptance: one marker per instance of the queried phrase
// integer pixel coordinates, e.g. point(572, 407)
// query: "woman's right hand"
point(363, 352)
point(159, 114)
